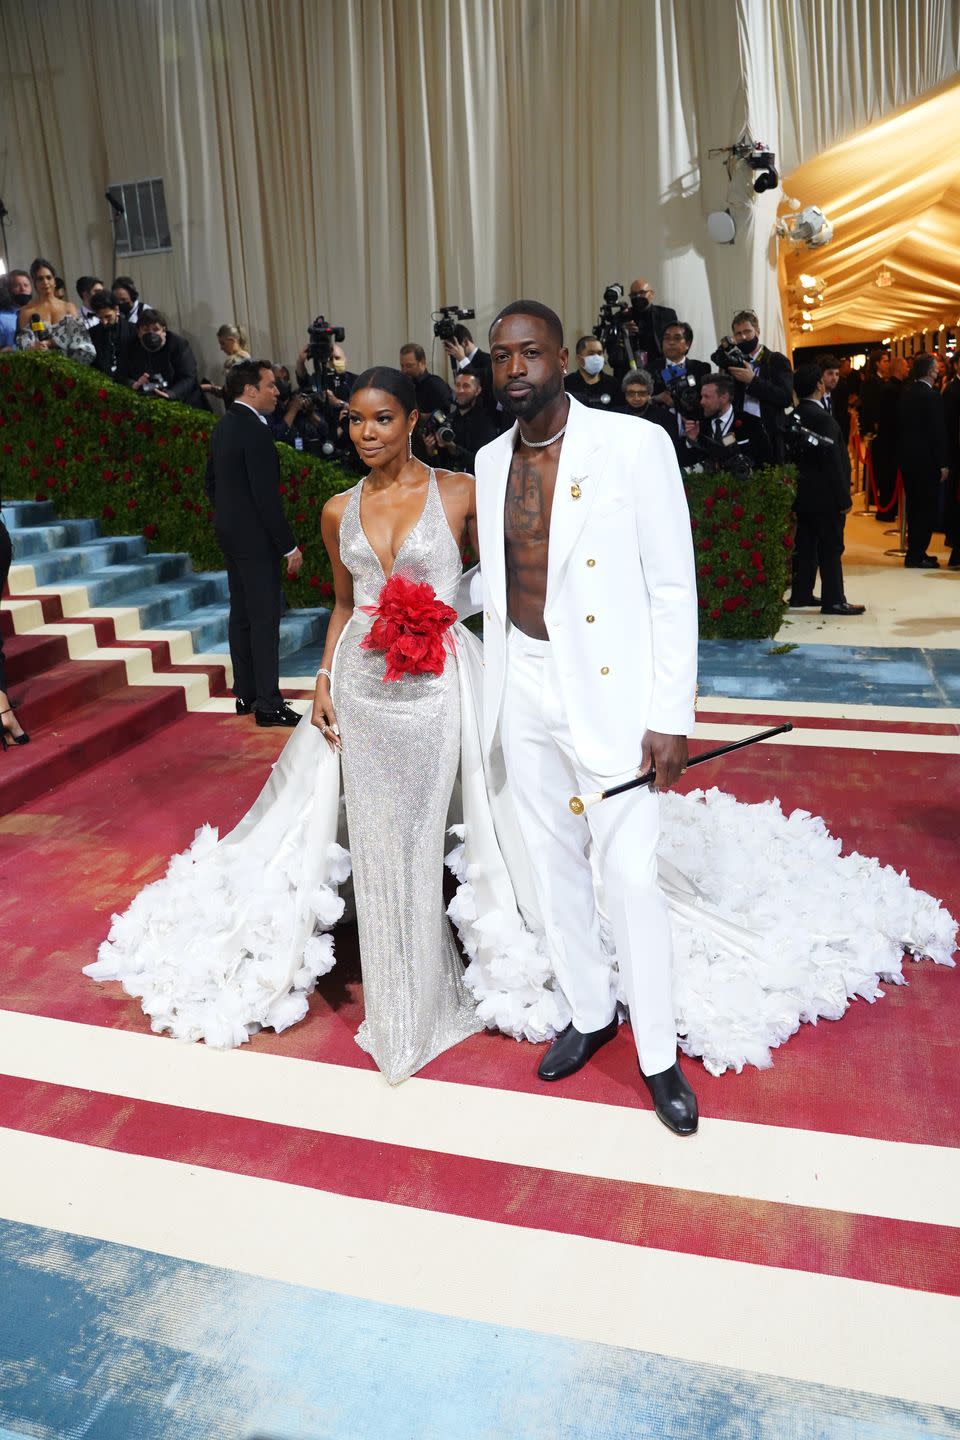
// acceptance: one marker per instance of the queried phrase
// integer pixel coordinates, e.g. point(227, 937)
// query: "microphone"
point(115, 205)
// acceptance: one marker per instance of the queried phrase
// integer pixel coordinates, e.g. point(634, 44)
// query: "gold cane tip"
point(576, 805)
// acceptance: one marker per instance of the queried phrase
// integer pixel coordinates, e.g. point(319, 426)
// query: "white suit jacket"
point(621, 606)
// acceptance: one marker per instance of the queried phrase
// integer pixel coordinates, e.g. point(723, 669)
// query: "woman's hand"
point(324, 716)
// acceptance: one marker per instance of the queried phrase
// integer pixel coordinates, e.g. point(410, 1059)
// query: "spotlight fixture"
point(810, 228)
point(884, 278)
point(762, 160)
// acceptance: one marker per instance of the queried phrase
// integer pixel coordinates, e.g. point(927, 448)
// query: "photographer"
point(677, 339)
point(647, 323)
point(822, 498)
point(111, 337)
point(764, 378)
point(432, 392)
point(460, 433)
point(331, 383)
point(722, 434)
point(589, 383)
point(468, 359)
point(302, 419)
point(163, 363)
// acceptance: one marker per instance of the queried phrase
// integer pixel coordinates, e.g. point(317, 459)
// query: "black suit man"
point(243, 483)
point(722, 433)
point(647, 324)
point(951, 414)
point(922, 434)
point(822, 498)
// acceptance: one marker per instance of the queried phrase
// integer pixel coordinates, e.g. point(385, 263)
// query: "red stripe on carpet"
point(859, 1247)
point(886, 1070)
point(826, 722)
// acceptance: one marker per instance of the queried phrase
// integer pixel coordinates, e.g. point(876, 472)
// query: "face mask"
point(285, 392)
point(125, 307)
point(152, 340)
point(748, 346)
point(593, 364)
point(340, 366)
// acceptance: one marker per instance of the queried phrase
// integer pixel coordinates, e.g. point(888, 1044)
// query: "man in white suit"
point(590, 644)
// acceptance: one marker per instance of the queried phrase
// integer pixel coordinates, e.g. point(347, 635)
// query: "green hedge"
point(96, 449)
point(137, 465)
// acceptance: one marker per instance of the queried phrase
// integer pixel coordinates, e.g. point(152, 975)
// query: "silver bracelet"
point(324, 671)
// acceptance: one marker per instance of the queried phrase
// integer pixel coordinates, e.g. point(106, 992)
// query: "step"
point(80, 741)
point(298, 628)
point(41, 539)
point(166, 604)
point(55, 695)
point(75, 561)
point(29, 655)
point(111, 584)
point(27, 512)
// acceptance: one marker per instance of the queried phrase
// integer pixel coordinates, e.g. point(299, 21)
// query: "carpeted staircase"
point(106, 644)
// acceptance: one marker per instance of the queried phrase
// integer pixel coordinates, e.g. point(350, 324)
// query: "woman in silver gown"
point(399, 739)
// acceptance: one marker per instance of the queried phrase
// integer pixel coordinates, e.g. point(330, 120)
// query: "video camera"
point(610, 329)
point(323, 337)
point(728, 355)
point(799, 440)
point(446, 319)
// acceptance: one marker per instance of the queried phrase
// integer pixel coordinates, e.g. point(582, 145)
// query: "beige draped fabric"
point(376, 158)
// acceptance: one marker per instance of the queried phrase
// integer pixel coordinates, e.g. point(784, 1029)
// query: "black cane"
point(579, 803)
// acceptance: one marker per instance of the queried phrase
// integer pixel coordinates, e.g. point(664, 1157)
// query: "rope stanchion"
point(901, 528)
point(865, 458)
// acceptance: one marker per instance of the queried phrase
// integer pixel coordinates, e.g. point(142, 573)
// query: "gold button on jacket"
point(604, 669)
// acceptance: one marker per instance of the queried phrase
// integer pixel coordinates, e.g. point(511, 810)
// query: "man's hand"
point(668, 754)
point(294, 561)
point(691, 428)
point(141, 380)
point(665, 398)
point(743, 373)
point(455, 350)
point(944, 472)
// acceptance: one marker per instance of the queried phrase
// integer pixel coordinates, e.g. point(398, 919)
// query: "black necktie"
point(717, 428)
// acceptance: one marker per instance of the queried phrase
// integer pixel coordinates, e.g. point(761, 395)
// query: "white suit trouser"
point(543, 772)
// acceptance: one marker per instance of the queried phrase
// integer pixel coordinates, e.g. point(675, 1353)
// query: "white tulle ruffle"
point(772, 927)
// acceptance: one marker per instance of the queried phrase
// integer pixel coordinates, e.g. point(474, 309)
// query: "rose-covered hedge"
point(743, 541)
point(137, 465)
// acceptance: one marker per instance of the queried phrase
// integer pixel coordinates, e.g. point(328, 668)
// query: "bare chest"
point(529, 500)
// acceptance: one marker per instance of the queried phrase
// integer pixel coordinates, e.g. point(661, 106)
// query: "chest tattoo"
point(527, 507)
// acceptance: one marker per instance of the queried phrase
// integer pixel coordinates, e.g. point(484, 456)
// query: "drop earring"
point(409, 445)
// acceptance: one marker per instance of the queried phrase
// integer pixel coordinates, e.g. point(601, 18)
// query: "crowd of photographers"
point(742, 408)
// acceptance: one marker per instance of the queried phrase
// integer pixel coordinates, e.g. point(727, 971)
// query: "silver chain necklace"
point(542, 444)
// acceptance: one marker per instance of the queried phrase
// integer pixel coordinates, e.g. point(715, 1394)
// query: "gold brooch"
point(575, 491)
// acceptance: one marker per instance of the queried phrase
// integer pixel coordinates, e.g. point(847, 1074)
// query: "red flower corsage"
point(410, 626)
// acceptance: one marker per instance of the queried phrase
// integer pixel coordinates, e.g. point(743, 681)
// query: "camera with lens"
point(446, 319)
point(685, 393)
point(153, 385)
point(728, 355)
point(323, 337)
point(611, 330)
point(799, 441)
point(438, 426)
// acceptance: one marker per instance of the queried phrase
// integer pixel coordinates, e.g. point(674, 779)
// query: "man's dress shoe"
point(673, 1100)
point(571, 1050)
point(283, 716)
point(804, 604)
point(844, 608)
point(244, 707)
point(926, 562)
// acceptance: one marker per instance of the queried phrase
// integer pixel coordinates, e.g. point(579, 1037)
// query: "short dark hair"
point(461, 333)
point(41, 264)
point(923, 365)
point(124, 282)
point(86, 283)
point(749, 315)
point(242, 374)
point(806, 378)
point(151, 317)
point(384, 377)
point(12, 274)
point(724, 384)
point(411, 348)
point(538, 310)
point(680, 325)
point(103, 300)
point(828, 362)
point(584, 341)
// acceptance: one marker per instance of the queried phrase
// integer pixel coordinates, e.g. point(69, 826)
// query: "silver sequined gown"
point(401, 752)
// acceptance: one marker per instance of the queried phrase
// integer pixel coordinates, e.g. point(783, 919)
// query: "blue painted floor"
point(112, 1343)
point(856, 675)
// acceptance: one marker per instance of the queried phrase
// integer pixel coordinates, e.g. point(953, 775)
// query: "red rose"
point(304, 472)
point(722, 581)
point(714, 614)
point(788, 542)
point(132, 503)
point(176, 487)
point(706, 544)
point(108, 475)
point(730, 603)
point(720, 493)
point(31, 444)
point(149, 532)
point(315, 581)
point(705, 570)
point(738, 512)
point(761, 578)
point(108, 512)
point(283, 489)
point(326, 590)
point(51, 482)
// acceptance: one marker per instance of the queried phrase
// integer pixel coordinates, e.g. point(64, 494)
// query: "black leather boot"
point(673, 1100)
point(571, 1050)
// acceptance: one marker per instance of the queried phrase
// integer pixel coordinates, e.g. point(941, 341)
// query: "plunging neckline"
point(431, 481)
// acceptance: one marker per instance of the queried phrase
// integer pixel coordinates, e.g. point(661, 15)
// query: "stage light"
point(886, 340)
point(884, 278)
point(806, 315)
point(808, 281)
point(943, 327)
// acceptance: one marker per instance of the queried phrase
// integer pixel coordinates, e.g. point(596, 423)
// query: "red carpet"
point(886, 1070)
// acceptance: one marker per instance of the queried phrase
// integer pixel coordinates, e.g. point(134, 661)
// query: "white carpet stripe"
point(824, 710)
point(812, 1328)
point(545, 1131)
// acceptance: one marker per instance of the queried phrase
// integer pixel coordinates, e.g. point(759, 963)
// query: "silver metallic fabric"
point(401, 752)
